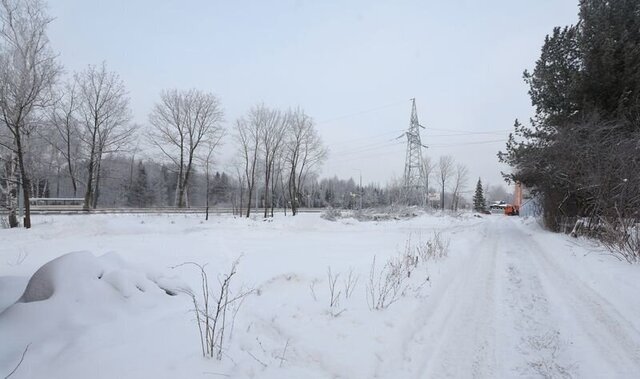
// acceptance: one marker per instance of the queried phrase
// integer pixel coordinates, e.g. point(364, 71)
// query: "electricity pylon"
point(414, 176)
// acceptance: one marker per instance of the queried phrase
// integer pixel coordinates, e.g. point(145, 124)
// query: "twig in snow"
point(22, 255)
point(350, 283)
point(312, 287)
point(334, 297)
point(284, 352)
point(257, 360)
point(19, 363)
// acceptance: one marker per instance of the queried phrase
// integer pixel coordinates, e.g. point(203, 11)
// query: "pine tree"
point(479, 203)
point(160, 188)
point(139, 194)
point(582, 142)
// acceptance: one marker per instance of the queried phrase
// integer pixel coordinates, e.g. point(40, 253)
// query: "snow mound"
point(78, 294)
point(82, 277)
point(60, 275)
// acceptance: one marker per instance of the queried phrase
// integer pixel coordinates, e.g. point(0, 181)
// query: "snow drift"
point(76, 292)
point(84, 278)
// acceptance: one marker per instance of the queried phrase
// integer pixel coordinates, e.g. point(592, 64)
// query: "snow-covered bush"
point(388, 284)
point(622, 238)
point(331, 214)
point(387, 213)
point(434, 249)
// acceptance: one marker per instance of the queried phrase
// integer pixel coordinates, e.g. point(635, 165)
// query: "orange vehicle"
point(514, 209)
point(511, 210)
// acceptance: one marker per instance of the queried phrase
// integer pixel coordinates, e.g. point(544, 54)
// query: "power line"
point(469, 143)
point(379, 145)
point(377, 154)
point(464, 134)
point(472, 131)
point(360, 112)
point(375, 136)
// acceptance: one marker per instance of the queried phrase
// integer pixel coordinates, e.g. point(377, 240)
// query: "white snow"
point(89, 296)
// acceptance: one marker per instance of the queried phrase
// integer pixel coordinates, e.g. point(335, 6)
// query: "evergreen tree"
point(479, 202)
point(220, 191)
point(160, 188)
point(582, 143)
point(139, 194)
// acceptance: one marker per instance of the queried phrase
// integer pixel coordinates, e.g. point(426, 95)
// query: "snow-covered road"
point(515, 308)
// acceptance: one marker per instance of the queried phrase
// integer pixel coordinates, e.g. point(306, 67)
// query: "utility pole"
point(414, 175)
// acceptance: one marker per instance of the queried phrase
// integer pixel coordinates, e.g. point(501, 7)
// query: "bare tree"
point(8, 186)
point(428, 166)
point(305, 151)
point(103, 108)
point(460, 179)
point(28, 69)
point(183, 121)
point(65, 139)
point(279, 180)
point(248, 138)
point(274, 126)
point(445, 170)
point(207, 162)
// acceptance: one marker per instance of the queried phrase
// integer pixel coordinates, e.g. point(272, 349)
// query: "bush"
point(331, 214)
point(392, 281)
point(215, 312)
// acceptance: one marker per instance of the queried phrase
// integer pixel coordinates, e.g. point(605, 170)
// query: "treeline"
point(73, 135)
point(581, 151)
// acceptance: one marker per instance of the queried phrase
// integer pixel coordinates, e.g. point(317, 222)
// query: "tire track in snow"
point(540, 345)
point(513, 310)
point(454, 333)
point(599, 329)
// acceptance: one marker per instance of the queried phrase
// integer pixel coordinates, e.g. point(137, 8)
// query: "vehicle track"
point(457, 338)
point(513, 310)
point(597, 326)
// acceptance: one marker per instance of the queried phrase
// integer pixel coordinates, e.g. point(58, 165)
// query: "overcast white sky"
point(352, 65)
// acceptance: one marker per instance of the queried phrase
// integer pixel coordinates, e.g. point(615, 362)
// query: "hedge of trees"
point(580, 152)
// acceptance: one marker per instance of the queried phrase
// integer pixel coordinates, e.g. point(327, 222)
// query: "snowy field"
point(507, 300)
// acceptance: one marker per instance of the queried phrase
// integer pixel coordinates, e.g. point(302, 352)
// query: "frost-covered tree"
point(459, 184)
point(105, 116)
point(65, 136)
point(183, 122)
point(248, 131)
point(445, 170)
point(304, 152)
point(273, 126)
point(28, 70)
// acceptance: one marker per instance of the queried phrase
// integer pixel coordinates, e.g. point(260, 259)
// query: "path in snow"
point(515, 309)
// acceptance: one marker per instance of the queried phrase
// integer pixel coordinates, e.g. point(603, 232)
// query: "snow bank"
point(82, 277)
point(74, 293)
point(508, 289)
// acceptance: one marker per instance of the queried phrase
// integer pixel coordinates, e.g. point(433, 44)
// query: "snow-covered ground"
point(509, 300)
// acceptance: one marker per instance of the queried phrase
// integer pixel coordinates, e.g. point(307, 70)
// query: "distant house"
point(498, 206)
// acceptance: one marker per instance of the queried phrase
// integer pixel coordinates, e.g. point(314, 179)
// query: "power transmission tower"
point(414, 175)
